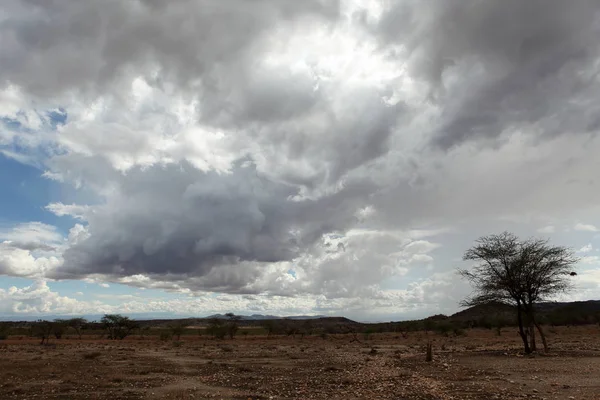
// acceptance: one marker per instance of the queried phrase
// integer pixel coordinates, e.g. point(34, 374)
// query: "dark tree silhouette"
point(59, 326)
point(232, 325)
point(117, 326)
point(77, 324)
point(521, 273)
point(43, 330)
point(177, 330)
point(217, 328)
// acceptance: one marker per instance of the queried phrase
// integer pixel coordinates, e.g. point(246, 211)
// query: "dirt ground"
point(480, 365)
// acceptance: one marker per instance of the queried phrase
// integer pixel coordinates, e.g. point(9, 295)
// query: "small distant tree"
point(117, 326)
point(59, 326)
point(307, 328)
point(444, 328)
point(232, 324)
point(428, 325)
point(268, 325)
point(177, 330)
point(4, 330)
point(499, 323)
point(42, 329)
point(145, 331)
point(78, 325)
point(518, 272)
point(216, 328)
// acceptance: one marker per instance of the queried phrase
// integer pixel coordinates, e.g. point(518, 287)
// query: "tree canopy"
point(518, 272)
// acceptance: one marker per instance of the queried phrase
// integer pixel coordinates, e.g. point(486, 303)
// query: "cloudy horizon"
point(331, 157)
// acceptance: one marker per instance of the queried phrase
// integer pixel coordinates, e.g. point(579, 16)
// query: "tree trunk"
point(521, 330)
point(532, 337)
point(544, 342)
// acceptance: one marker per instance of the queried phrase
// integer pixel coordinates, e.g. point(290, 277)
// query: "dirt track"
point(478, 366)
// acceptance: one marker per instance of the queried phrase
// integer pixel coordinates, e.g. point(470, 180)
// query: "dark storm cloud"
point(219, 138)
point(494, 66)
point(49, 47)
point(176, 222)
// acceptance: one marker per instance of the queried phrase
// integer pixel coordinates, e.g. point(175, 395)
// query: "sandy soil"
point(386, 366)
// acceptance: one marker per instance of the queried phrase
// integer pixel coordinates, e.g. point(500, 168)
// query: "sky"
point(317, 157)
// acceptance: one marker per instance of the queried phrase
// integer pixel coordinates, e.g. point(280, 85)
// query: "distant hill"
point(477, 312)
point(260, 317)
point(556, 313)
point(559, 313)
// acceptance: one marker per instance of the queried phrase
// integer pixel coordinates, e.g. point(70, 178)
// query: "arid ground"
point(480, 365)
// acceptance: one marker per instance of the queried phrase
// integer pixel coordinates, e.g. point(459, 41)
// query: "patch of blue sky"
point(57, 117)
point(25, 193)
point(7, 282)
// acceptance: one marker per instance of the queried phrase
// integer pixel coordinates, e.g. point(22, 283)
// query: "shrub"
point(459, 332)
point(443, 328)
point(59, 326)
point(4, 329)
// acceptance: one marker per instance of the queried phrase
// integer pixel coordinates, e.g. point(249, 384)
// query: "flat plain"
point(479, 365)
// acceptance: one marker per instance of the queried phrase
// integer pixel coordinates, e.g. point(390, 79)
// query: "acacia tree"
point(42, 329)
point(232, 326)
point(518, 272)
point(177, 330)
point(77, 324)
point(117, 326)
point(269, 326)
point(59, 326)
point(216, 328)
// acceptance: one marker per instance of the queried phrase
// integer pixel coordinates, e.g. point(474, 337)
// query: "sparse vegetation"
point(117, 326)
point(217, 328)
point(232, 324)
point(78, 325)
point(59, 326)
point(43, 330)
point(521, 273)
point(287, 365)
point(177, 330)
point(4, 331)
